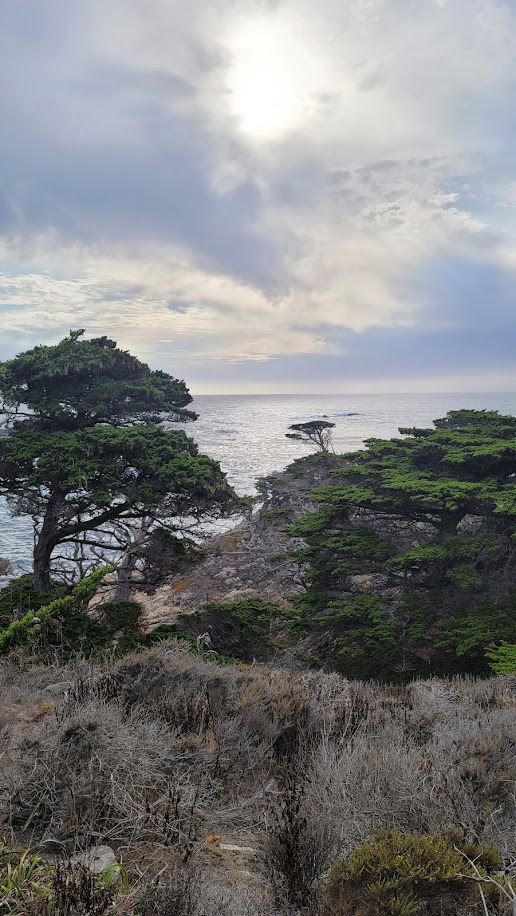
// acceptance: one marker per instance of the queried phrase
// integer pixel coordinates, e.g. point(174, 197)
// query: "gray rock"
point(472, 524)
point(369, 582)
point(95, 859)
point(56, 690)
point(5, 567)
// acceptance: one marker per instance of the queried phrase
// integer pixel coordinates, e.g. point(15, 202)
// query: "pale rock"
point(471, 524)
point(367, 583)
point(55, 690)
point(231, 847)
point(5, 567)
point(95, 859)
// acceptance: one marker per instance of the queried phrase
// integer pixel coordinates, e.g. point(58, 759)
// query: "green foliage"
point(503, 658)
point(448, 550)
point(306, 605)
point(403, 875)
point(311, 523)
point(307, 657)
point(239, 629)
point(350, 552)
point(87, 470)
point(278, 514)
point(79, 383)
point(20, 596)
point(24, 881)
point(28, 884)
point(365, 635)
point(314, 432)
point(167, 631)
point(461, 583)
point(64, 617)
point(465, 576)
point(472, 632)
point(121, 616)
point(89, 450)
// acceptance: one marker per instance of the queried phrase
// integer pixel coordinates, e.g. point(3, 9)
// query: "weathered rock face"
point(473, 524)
point(403, 534)
point(255, 560)
point(252, 561)
point(5, 567)
point(368, 583)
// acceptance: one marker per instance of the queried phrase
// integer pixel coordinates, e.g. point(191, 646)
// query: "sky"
point(270, 196)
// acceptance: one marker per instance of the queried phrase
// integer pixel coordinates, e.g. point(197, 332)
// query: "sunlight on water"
point(247, 434)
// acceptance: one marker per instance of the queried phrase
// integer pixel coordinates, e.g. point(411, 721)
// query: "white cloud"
point(353, 127)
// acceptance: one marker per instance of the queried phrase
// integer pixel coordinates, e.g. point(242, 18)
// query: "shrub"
point(239, 629)
point(29, 886)
point(397, 875)
point(503, 658)
point(61, 622)
point(174, 897)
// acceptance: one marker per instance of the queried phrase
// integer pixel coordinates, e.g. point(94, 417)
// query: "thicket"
point(60, 624)
point(237, 629)
point(347, 797)
point(409, 560)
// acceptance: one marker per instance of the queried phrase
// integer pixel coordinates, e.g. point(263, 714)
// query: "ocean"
point(246, 434)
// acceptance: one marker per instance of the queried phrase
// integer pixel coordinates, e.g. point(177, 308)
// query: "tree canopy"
point(314, 432)
point(425, 524)
point(79, 383)
point(87, 446)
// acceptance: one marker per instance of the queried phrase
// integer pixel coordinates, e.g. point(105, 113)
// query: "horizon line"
point(350, 394)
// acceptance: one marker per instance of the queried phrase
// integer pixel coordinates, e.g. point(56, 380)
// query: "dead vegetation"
point(235, 788)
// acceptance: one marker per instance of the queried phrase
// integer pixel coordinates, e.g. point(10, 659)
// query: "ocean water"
point(246, 434)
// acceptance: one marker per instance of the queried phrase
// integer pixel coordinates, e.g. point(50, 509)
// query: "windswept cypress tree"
point(87, 446)
point(410, 558)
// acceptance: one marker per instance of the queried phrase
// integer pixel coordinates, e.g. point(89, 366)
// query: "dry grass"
point(156, 752)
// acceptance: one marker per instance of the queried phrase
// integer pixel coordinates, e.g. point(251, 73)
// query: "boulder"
point(56, 690)
point(95, 859)
point(5, 567)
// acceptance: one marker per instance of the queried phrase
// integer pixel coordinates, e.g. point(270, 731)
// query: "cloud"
point(259, 182)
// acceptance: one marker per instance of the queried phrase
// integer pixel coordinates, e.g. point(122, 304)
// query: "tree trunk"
point(449, 522)
point(137, 538)
point(124, 573)
point(45, 543)
point(42, 554)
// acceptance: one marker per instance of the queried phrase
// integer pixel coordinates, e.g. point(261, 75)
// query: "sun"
point(273, 77)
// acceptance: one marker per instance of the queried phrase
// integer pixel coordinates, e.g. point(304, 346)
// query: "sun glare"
point(273, 77)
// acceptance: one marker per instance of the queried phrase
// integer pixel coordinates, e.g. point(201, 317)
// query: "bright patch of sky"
point(279, 195)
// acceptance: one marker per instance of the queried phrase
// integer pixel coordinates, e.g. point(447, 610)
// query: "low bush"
point(410, 875)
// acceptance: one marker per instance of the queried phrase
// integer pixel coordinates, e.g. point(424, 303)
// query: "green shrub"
point(121, 616)
point(503, 658)
point(60, 623)
point(408, 875)
point(20, 596)
point(29, 885)
point(238, 629)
